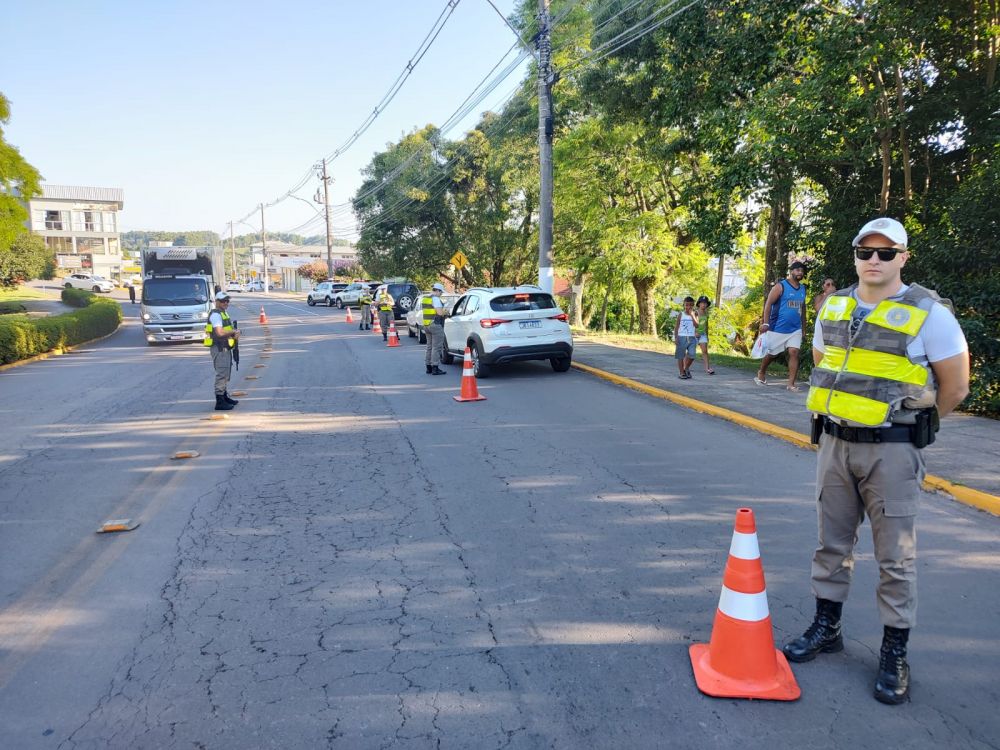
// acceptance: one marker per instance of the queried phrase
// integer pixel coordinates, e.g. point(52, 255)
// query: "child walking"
point(703, 305)
point(685, 334)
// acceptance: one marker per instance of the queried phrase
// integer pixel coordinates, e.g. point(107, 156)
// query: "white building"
point(80, 225)
point(284, 260)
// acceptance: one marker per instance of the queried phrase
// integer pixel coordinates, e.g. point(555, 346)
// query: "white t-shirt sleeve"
point(215, 320)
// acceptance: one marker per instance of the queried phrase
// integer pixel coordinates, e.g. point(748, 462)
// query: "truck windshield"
point(175, 292)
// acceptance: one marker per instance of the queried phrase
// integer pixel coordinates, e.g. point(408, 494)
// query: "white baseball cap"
point(887, 227)
point(221, 296)
point(438, 287)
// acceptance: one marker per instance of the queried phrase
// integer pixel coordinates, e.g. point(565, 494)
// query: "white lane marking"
point(297, 309)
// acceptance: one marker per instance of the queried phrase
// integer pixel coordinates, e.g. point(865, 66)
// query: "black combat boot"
point(229, 399)
point(823, 636)
point(429, 370)
point(435, 370)
point(892, 685)
point(221, 404)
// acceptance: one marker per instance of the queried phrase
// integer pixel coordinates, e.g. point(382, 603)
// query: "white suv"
point(324, 292)
point(88, 281)
point(351, 294)
point(507, 324)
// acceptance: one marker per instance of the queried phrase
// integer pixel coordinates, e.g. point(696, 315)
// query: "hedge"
point(97, 316)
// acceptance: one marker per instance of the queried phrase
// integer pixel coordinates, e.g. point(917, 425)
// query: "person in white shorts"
point(784, 320)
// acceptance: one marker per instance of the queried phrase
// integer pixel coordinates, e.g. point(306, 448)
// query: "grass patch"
point(21, 293)
point(662, 346)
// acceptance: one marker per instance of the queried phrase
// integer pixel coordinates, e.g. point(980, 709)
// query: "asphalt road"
point(357, 561)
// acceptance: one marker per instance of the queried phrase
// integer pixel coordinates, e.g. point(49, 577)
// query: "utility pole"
point(545, 128)
point(329, 235)
point(232, 249)
point(263, 248)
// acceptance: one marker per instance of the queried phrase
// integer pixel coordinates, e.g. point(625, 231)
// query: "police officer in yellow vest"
point(384, 302)
point(434, 314)
point(221, 335)
point(890, 359)
point(365, 300)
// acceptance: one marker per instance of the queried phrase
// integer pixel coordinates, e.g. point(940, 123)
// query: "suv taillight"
point(492, 322)
point(561, 316)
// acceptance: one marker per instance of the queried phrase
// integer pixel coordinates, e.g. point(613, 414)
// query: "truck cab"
point(178, 292)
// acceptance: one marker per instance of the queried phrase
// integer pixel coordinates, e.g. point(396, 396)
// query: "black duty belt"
point(899, 433)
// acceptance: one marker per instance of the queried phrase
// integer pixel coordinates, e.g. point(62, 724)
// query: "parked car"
point(324, 292)
point(415, 315)
point(234, 286)
point(508, 324)
point(404, 294)
point(88, 281)
point(351, 294)
point(257, 285)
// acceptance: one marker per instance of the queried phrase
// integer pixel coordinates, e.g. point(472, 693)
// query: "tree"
point(26, 258)
point(315, 271)
point(18, 182)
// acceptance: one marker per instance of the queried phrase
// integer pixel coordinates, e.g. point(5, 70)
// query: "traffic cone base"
point(470, 392)
point(350, 318)
point(263, 316)
point(393, 336)
point(740, 660)
point(378, 327)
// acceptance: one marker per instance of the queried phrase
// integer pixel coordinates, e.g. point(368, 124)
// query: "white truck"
point(178, 290)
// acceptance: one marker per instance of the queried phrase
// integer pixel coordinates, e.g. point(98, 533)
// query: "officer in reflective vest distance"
point(434, 314)
point(384, 303)
point(890, 359)
point(365, 300)
point(221, 335)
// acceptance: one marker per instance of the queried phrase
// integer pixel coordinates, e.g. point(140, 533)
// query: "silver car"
point(415, 315)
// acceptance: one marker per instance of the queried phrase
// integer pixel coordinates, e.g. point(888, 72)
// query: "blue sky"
point(202, 110)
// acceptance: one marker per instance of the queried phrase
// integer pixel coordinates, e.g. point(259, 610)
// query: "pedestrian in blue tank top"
point(784, 323)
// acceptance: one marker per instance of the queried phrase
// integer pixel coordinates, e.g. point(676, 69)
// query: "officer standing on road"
point(131, 291)
point(385, 303)
point(221, 335)
point(890, 360)
point(365, 300)
point(434, 313)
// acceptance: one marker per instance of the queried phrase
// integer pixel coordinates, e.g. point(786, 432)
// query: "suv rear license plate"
point(530, 324)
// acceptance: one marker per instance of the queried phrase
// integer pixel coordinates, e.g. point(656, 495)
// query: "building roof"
point(79, 193)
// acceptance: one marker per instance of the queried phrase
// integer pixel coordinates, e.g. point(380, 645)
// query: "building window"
point(113, 246)
point(91, 221)
point(62, 245)
point(109, 221)
point(94, 245)
point(53, 220)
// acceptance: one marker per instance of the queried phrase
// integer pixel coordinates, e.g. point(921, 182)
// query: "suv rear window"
point(522, 301)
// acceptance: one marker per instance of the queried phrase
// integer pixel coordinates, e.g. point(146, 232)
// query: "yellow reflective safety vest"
point(209, 339)
point(867, 377)
point(385, 302)
point(365, 299)
point(427, 307)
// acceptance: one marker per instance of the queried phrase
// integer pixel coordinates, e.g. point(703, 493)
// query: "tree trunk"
point(904, 142)
point(718, 281)
point(576, 302)
point(777, 230)
point(885, 139)
point(604, 308)
point(645, 296)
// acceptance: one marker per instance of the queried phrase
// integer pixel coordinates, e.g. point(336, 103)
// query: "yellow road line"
point(967, 495)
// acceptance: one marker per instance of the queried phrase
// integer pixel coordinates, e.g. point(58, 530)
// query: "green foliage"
point(315, 271)
point(21, 338)
point(24, 259)
point(10, 308)
point(18, 180)
point(77, 297)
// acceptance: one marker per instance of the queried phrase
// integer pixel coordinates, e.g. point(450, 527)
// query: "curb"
point(965, 495)
point(58, 352)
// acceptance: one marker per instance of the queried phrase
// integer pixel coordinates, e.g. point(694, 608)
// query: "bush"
point(9, 308)
point(77, 297)
point(22, 338)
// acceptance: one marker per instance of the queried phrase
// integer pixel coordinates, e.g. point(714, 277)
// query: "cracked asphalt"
point(358, 561)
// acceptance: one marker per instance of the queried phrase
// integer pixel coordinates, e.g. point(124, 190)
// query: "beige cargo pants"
point(223, 362)
point(882, 481)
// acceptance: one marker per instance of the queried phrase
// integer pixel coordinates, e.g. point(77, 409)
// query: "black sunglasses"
point(885, 254)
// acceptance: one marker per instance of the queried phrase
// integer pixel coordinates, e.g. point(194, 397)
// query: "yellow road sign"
point(459, 260)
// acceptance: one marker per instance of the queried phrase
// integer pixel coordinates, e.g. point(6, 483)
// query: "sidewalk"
point(967, 451)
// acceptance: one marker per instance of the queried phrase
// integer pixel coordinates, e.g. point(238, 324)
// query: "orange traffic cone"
point(741, 661)
point(350, 318)
point(378, 328)
point(263, 316)
point(470, 392)
point(393, 336)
